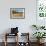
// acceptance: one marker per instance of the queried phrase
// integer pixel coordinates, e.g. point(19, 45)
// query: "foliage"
point(39, 35)
point(35, 27)
point(40, 27)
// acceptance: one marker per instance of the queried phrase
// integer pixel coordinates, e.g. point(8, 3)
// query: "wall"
point(23, 24)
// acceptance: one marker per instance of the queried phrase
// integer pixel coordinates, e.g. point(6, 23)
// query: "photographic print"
point(17, 13)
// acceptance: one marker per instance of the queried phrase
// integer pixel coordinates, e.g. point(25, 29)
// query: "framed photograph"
point(41, 8)
point(41, 12)
point(17, 13)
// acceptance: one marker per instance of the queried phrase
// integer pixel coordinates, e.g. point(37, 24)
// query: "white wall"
point(23, 24)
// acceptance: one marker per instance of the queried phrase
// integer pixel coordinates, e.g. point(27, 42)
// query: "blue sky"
point(19, 10)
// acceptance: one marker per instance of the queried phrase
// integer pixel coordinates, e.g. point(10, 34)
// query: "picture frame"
point(40, 12)
point(17, 13)
point(41, 8)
